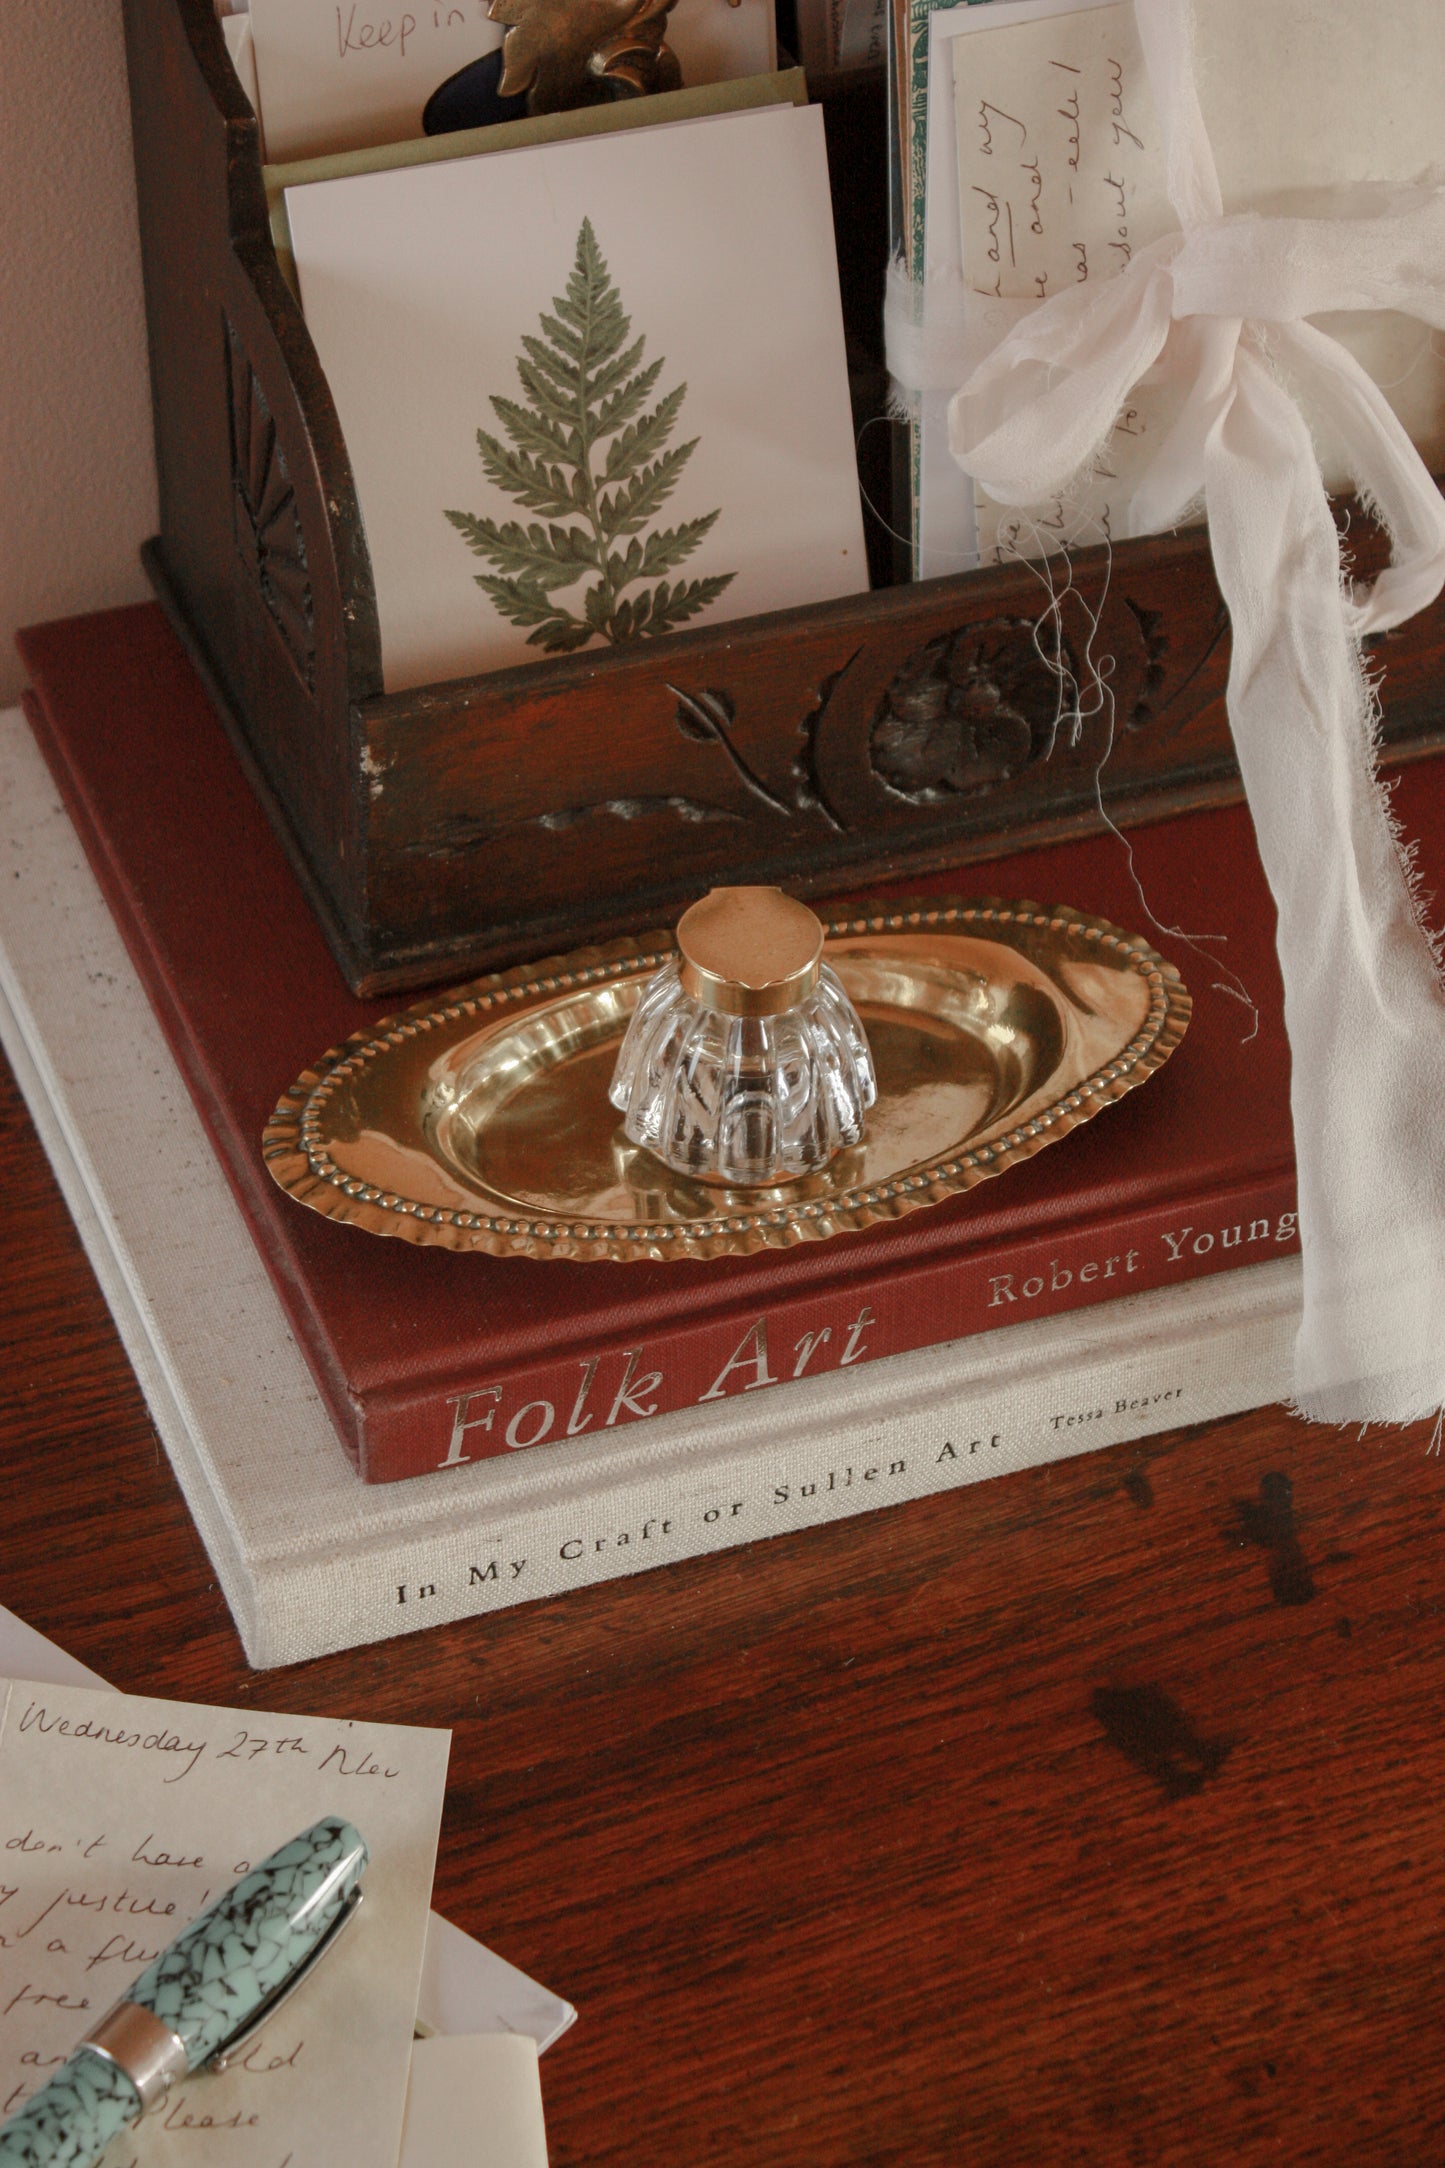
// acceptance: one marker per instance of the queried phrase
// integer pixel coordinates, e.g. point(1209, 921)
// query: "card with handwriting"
point(340, 75)
point(122, 1818)
point(1060, 181)
point(1048, 171)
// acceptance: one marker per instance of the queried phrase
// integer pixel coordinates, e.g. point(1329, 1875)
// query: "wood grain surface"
point(1092, 1814)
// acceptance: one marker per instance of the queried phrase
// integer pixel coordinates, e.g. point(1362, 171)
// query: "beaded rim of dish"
point(294, 1149)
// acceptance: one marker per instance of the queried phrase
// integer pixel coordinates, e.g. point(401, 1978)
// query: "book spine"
point(923, 1304)
point(823, 1465)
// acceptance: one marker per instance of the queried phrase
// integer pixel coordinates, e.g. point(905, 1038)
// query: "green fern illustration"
point(585, 385)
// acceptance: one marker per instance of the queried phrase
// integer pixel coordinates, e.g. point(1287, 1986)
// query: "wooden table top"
point(1091, 1814)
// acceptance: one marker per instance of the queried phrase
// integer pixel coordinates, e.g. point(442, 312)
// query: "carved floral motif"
point(970, 710)
point(967, 713)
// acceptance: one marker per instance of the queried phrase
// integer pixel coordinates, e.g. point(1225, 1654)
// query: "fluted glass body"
point(743, 1099)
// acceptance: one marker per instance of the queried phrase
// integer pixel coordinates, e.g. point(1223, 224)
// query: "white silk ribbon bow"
point(1222, 306)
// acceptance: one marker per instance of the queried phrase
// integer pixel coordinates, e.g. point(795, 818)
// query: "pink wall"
point(77, 472)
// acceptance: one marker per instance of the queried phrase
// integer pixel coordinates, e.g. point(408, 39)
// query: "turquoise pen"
point(200, 2000)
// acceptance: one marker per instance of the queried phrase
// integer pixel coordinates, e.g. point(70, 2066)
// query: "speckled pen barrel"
point(201, 1993)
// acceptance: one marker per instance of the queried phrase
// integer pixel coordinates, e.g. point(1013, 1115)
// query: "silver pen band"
point(148, 2052)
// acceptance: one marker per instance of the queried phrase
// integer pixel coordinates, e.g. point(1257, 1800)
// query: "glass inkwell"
point(745, 1063)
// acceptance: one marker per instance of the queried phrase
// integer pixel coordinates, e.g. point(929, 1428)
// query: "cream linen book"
point(312, 1560)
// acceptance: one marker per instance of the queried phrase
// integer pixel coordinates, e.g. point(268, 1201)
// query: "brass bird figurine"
point(566, 53)
point(558, 55)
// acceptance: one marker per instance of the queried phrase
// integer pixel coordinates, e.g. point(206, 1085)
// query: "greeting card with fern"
point(594, 392)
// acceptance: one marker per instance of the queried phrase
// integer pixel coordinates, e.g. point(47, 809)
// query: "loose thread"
point(1427, 348)
point(966, 560)
point(1095, 699)
point(1098, 700)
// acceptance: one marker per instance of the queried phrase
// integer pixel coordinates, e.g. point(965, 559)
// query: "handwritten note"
point(1060, 180)
point(122, 1818)
point(341, 75)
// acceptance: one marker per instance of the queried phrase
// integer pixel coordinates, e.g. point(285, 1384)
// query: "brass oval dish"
point(482, 1122)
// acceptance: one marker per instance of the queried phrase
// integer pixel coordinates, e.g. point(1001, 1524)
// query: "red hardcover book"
point(427, 1358)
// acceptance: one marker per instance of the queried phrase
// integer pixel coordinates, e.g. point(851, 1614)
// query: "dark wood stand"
point(490, 819)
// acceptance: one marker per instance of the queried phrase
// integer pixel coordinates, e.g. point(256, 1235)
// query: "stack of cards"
point(589, 364)
point(337, 75)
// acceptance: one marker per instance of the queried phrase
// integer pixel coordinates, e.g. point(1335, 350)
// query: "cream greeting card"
point(592, 391)
point(123, 1818)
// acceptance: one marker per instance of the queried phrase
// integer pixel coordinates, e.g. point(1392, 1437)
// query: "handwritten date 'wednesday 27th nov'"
point(122, 1818)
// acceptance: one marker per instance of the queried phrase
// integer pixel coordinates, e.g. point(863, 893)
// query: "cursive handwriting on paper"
point(123, 1819)
point(1061, 180)
point(339, 1757)
point(38, 1718)
point(1061, 174)
point(338, 75)
point(359, 30)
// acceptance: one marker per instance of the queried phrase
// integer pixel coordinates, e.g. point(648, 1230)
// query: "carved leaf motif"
point(459, 837)
point(1155, 640)
point(808, 788)
point(1201, 680)
point(267, 524)
point(704, 717)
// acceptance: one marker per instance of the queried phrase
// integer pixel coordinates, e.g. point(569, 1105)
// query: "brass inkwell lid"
point(749, 951)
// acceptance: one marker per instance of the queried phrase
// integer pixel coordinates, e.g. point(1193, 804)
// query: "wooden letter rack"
point(490, 819)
